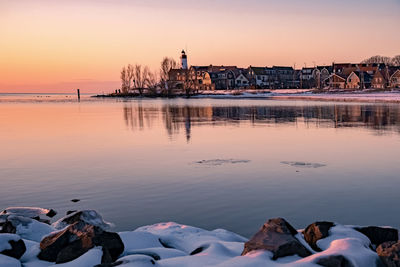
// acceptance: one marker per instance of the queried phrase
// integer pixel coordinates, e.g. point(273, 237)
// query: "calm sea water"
point(209, 163)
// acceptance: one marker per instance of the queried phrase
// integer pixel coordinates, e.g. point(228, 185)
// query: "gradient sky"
point(57, 46)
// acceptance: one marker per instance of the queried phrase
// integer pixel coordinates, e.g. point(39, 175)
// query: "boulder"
point(379, 235)
point(76, 239)
point(389, 253)
point(30, 212)
point(277, 236)
point(70, 212)
point(315, 232)
point(7, 227)
point(87, 216)
point(334, 261)
point(17, 249)
point(11, 217)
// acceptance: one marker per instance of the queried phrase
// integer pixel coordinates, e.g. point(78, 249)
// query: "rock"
point(315, 232)
point(10, 214)
point(75, 240)
point(70, 212)
point(51, 213)
point(87, 216)
point(334, 261)
point(18, 249)
point(7, 227)
point(110, 241)
point(27, 228)
point(379, 235)
point(30, 212)
point(389, 253)
point(110, 264)
point(277, 236)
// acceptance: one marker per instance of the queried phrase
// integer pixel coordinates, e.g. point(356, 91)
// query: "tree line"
point(138, 78)
point(390, 61)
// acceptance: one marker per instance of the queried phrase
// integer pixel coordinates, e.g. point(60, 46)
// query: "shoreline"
point(83, 238)
point(363, 96)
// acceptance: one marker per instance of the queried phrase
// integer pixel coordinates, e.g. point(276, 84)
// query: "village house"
point(201, 78)
point(378, 80)
point(353, 81)
point(336, 81)
point(321, 74)
point(286, 77)
point(258, 77)
point(395, 79)
point(337, 76)
point(307, 79)
point(242, 82)
point(314, 77)
point(223, 77)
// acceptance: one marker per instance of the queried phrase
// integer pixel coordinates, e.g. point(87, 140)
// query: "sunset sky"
point(58, 46)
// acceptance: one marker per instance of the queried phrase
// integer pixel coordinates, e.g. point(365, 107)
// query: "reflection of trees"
point(377, 117)
point(137, 117)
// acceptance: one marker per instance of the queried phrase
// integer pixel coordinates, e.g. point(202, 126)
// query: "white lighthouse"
point(184, 60)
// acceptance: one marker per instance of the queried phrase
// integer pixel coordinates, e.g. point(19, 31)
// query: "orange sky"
point(57, 46)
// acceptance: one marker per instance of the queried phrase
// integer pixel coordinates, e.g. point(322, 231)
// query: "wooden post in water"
point(79, 94)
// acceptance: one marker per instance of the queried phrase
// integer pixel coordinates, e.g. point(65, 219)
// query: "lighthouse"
point(184, 60)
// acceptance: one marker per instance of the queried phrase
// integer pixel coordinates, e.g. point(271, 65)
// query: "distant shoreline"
point(289, 94)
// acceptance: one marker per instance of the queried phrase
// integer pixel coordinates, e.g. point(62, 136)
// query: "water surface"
point(208, 163)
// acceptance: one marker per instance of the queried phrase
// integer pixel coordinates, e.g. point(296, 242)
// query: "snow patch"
point(303, 164)
point(218, 162)
point(29, 228)
point(4, 241)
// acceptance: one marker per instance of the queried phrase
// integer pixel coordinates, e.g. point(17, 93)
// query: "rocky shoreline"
point(82, 238)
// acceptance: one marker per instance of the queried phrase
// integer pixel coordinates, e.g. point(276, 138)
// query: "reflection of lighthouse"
point(184, 60)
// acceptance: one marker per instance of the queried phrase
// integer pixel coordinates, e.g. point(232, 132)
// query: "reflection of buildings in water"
point(176, 117)
point(378, 117)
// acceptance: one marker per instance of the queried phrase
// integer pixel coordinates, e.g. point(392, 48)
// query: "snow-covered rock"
point(315, 232)
point(30, 229)
point(174, 245)
point(30, 212)
point(9, 261)
point(91, 217)
point(277, 236)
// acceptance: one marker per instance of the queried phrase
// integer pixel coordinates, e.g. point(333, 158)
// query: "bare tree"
point(377, 59)
point(124, 80)
point(166, 65)
point(152, 83)
point(396, 60)
point(142, 78)
point(127, 78)
point(130, 76)
point(139, 82)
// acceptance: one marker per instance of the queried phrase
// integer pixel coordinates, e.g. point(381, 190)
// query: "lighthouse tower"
point(184, 60)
